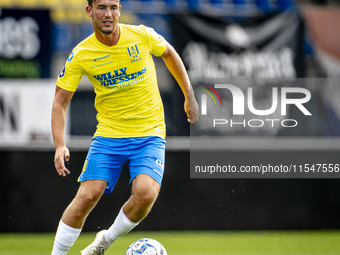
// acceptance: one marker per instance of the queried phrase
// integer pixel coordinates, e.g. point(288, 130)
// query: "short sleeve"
point(70, 76)
point(156, 41)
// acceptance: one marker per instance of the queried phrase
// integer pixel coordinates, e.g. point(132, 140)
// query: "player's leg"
point(146, 167)
point(107, 156)
point(100, 173)
point(146, 161)
point(87, 197)
point(75, 214)
point(144, 193)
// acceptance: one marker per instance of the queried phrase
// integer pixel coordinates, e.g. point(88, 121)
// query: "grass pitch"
point(192, 243)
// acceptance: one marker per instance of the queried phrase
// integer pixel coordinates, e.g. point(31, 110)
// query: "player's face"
point(104, 15)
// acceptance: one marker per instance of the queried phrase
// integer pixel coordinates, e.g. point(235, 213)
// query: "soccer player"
point(117, 59)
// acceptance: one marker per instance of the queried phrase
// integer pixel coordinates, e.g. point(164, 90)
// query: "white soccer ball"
point(146, 246)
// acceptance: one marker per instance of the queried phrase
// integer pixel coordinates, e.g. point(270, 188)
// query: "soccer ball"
point(146, 246)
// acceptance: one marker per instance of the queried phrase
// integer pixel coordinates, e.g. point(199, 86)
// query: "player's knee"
point(147, 197)
point(145, 191)
point(87, 201)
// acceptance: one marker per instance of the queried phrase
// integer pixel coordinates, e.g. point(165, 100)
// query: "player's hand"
point(191, 108)
point(62, 154)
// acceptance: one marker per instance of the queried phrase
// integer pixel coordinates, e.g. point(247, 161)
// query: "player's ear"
point(89, 11)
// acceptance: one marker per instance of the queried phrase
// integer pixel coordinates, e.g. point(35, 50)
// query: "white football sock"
point(64, 238)
point(120, 227)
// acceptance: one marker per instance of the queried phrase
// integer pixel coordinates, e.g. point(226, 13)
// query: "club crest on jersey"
point(133, 51)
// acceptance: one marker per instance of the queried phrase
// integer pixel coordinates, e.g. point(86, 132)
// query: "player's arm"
point(61, 100)
point(177, 69)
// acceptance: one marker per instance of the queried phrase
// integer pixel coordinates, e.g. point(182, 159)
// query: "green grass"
point(192, 243)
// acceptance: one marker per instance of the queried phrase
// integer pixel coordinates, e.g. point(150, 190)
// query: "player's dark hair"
point(90, 2)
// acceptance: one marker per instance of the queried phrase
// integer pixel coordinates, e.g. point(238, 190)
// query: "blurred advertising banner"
point(248, 76)
point(213, 48)
point(25, 111)
point(25, 45)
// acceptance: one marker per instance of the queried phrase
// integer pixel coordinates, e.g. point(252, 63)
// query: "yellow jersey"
point(124, 79)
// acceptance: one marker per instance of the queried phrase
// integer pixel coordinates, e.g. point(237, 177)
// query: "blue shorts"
point(107, 156)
